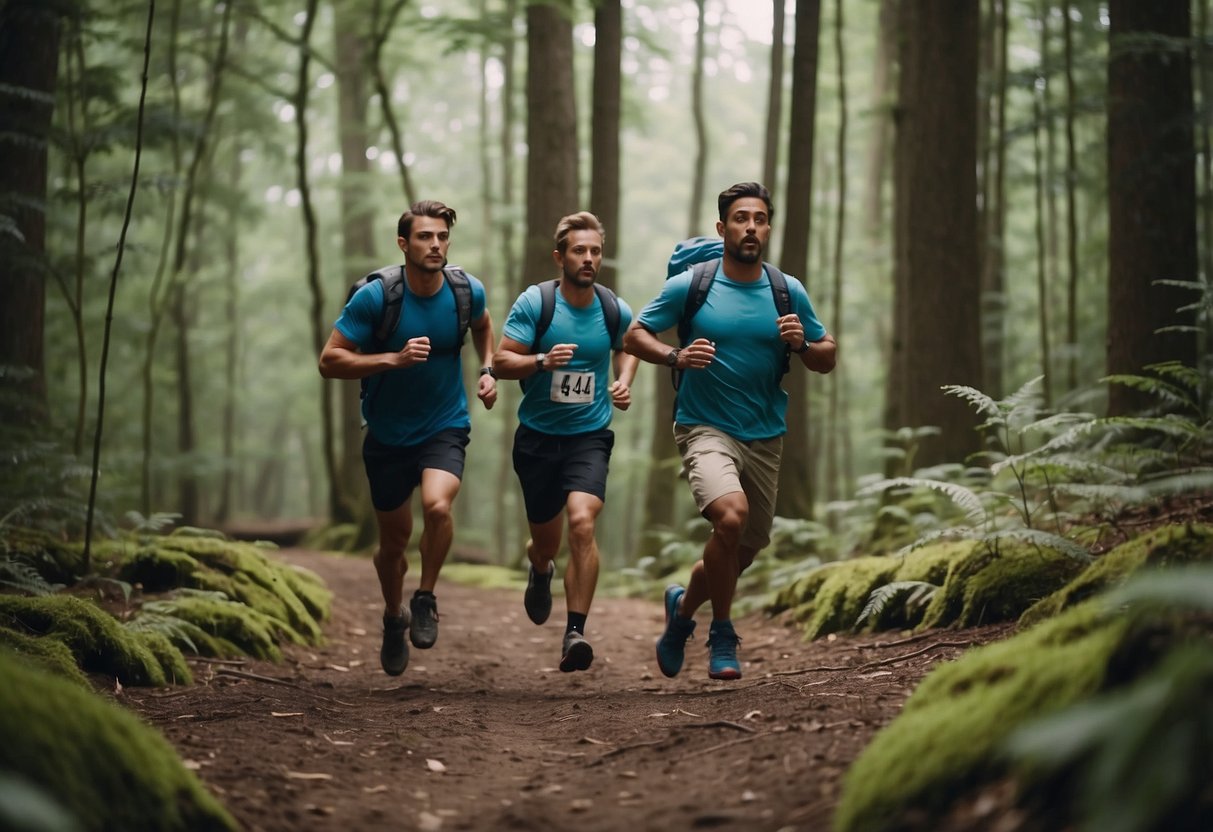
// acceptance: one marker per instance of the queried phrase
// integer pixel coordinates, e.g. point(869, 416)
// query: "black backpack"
point(393, 299)
point(703, 272)
point(547, 309)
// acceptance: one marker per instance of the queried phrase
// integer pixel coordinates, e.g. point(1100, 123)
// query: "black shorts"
point(549, 467)
point(395, 470)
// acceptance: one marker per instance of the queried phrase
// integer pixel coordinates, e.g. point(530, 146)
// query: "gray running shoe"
point(538, 597)
point(423, 632)
point(577, 654)
point(394, 654)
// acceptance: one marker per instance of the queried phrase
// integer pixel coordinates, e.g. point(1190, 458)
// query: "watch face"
point(540, 357)
point(671, 358)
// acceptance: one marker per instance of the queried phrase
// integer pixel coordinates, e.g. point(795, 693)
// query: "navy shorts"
point(395, 470)
point(549, 467)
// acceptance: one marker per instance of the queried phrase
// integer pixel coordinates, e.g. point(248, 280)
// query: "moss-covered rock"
point(241, 571)
point(99, 642)
point(109, 770)
point(985, 587)
point(944, 740)
point(57, 560)
point(250, 631)
point(172, 663)
point(830, 598)
point(1164, 546)
point(47, 654)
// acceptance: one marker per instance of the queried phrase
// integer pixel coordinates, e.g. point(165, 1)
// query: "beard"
point(742, 255)
point(578, 279)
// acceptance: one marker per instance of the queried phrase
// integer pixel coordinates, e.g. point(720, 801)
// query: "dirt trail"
point(482, 732)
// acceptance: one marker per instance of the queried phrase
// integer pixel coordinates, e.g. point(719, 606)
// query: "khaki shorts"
point(717, 464)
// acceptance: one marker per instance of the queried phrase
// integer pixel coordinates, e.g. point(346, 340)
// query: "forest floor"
point(483, 732)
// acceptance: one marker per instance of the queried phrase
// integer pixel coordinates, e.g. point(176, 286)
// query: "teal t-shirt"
point(408, 405)
point(575, 398)
point(739, 392)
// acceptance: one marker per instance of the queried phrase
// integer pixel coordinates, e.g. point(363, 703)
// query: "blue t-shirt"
point(739, 392)
point(408, 405)
point(557, 402)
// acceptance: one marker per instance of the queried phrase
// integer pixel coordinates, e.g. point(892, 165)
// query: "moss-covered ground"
point(97, 761)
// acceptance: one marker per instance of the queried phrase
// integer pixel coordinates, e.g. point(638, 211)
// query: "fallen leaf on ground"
point(374, 789)
point(338, 667)
point(308, 775)
point(290, 713)
point(435, 765)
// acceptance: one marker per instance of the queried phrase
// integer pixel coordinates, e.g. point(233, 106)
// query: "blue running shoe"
point(722, 651)
point(672, 644)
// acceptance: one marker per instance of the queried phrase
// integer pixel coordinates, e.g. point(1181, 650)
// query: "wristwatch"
point(804, 347)
point(540, 357)
point(671, 358)
point(488, 371)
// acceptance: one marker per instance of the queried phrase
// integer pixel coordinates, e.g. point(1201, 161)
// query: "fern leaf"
point(975, 397)
point(954, 533)
point(1179, 372)
point(1179, 482)
point(1168, 394)
point(1029, 393)
point(963, 497)
point(881, 596)
point(1047, 540)
point(20, 576)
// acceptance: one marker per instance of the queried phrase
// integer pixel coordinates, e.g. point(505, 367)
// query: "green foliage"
point(920, 593)
point(1134, 758)
point(96, 760)
point(46, 654)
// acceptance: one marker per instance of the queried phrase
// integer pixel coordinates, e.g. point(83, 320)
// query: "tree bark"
point(29, 51)
point(770, 155)
point(936, 225)
point(993, 257)
point(838, 421)
point(1071, 306)
point(796, 481)
point(1151, 191)
point(698, 120)
point(551, 132)
point(604, 131)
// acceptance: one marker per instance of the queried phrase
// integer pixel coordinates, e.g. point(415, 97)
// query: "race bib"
point(572, 388)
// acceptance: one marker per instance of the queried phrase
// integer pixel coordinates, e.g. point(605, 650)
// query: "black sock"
point(576, 622)
point(421, 593)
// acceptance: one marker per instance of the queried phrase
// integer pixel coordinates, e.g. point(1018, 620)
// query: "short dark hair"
point(424, 208)
point(743, 189)
point(581, 221)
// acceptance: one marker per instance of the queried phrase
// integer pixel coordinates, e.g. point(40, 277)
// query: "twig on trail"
point(624, 748)
point(900, 641)
point(208, 660)
point(720, 723)
point(270, 680)
point(870, 665)
point(719, 746)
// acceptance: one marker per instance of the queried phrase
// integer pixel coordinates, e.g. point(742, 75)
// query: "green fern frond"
point(1102, 492)
point(1168, 394)
point(1178, 371)
point(1058, 421)
point(984, 404)
point(174, 629)
point(1030, 393)
point(1047, 540)
point(1182, 586)
point(21, 577)
point(1179, 482)
point(963, 497)
point(954, 533)
point(920, 593)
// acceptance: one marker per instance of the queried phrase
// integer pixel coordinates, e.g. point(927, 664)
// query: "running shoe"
point(538, 597)
point(722, 651)
point(423, 632)
point(394, 654)
point(672, 644)
point(576, 654)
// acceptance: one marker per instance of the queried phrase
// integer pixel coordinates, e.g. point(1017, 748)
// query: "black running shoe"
point(577, 653)
point(538, 597)
point(394, 654)
point(423, 632)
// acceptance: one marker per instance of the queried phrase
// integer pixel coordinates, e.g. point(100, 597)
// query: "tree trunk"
point(1042, 277)
point(357, 246)
point(838, 418)
point(936, 225)
point(699, 172)
point(1151, 191)
point(770, 155)
point(187, 438)
point(604, 131)
point(993, 257)
point(796, 486)
point(29, 52)
point(381, 29)
point(551, 132)
point(1071, 307)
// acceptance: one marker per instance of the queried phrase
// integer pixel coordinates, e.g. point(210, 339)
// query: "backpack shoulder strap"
point(779, 288)
point(393, 297)
point(547, 309)
point(783, 305)
point(461, 287)
point(702, 275)
point(610, 311)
